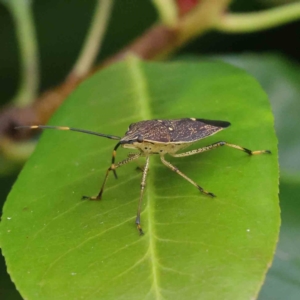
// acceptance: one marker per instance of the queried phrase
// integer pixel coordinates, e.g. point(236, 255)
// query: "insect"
point(159, 137)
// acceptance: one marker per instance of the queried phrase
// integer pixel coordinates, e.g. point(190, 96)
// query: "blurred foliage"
point(61, 27)
point(282, 281)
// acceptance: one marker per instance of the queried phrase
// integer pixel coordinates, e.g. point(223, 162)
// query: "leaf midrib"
point(143, 100)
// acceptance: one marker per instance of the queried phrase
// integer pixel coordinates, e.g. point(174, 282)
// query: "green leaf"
point(59, 247)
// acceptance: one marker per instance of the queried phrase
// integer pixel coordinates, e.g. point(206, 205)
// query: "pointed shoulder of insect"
point(216, 123)
point(192, 129)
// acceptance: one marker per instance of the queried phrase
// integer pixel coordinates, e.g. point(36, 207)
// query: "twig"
point(94, 39)
point(168, 12)
point(29, 83)
point(251, 22)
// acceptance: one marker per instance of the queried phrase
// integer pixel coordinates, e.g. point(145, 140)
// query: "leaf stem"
point(94, 39)
point(251, 22)
point(168, 11)
point(25, 31)
point(200, 19)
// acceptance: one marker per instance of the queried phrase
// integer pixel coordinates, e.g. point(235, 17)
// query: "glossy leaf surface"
point(57, 246)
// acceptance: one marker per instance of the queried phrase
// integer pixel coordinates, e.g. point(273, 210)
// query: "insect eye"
point(140, 139)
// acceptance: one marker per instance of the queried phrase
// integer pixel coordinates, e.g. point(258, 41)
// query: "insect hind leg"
point(175, 169)
point(250, 152)
point(217, 145)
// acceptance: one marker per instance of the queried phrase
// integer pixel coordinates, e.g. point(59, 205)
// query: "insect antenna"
point(113, 137)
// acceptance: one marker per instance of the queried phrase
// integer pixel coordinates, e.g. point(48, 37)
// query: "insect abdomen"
point(157, 148)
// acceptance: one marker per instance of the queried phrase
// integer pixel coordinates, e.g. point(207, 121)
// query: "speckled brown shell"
point(185, 130)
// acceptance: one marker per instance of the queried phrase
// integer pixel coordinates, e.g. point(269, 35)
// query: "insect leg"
point(143, 184)
point(112, 168)
point(219, 144)
point(114, 158)
point(173, 168)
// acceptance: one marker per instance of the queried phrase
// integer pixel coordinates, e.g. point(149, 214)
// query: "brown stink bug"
point(160, 137)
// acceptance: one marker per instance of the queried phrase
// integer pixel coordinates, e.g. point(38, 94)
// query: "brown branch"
point(37, 113)
point(147, 47)
point(156, 42)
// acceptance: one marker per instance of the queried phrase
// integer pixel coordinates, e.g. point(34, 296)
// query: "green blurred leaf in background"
point(59, 247)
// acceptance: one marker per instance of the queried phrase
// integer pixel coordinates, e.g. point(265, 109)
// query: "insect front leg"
point(143, 185)
point(220, 144)
point(175, 169)
point(139, 167)
point(113, 167)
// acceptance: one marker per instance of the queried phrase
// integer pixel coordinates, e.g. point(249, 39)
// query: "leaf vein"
point(83, 243)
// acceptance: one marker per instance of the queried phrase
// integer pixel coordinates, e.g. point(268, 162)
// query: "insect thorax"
point(157, 148)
